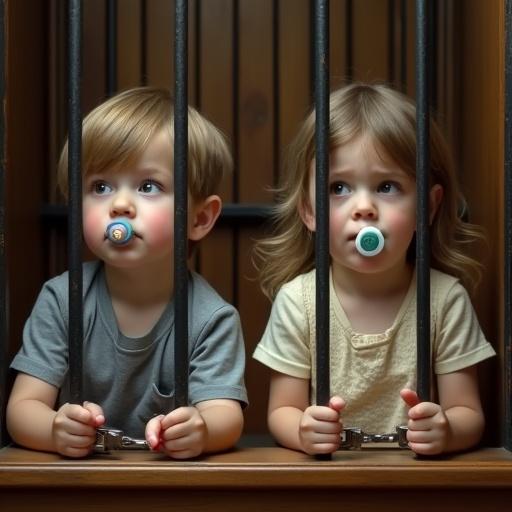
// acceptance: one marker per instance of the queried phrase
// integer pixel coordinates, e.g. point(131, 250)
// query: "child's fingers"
point(410, 397)
point(97, 416)
point(180, 415)
point(336, 403)
point(153, 431)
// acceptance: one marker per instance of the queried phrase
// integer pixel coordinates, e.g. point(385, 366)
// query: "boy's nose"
point(364, 207)
point(122, 206)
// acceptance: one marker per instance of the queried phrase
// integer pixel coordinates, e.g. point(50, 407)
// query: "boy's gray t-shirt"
point(133, 379)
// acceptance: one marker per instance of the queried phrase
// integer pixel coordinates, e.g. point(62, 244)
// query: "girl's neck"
point(141, 286)
point(373, 285)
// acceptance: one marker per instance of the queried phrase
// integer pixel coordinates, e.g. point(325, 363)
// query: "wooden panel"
point(370, 32)
point(256, 149)
point(216, 102)
point(128, 45)
point(338, 42)
point(256, 479)
point(294, 69)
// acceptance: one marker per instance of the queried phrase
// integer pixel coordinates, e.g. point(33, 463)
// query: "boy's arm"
point(30, 412)
point(455, 424)
point(224, 422)
point(32, 422)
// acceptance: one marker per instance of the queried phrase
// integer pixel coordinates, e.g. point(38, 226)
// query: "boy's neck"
point(140, 286)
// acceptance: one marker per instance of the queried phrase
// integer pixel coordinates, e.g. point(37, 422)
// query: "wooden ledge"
point(258, 468)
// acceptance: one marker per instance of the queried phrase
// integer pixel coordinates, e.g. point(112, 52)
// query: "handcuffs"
point(111, 439)
point(108, 439)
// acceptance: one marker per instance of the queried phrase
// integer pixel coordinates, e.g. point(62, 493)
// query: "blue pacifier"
point(119, 232)
point(369, 241)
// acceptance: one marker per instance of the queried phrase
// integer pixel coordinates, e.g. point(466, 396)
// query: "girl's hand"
point(429, 428)
point(74, 428)
point(320, 427)
point(181, 434)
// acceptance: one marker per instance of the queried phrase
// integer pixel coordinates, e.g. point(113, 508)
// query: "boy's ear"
point(436, 196)
point(205, 214)
point(307, 215)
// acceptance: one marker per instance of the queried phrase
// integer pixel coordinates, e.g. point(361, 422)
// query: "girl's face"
point(364, 191)
point(142, 193)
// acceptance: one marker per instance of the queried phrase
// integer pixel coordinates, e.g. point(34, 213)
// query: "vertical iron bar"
point(422, 212)
point(321, 36)
point(4, 340)
point(111, 71)
point(75, 200)
point(507, 377)
point(180, 204)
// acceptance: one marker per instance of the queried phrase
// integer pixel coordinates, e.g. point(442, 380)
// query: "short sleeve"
point(44, 353)
point(217, 361)
point(460, 342)
point(284, 346)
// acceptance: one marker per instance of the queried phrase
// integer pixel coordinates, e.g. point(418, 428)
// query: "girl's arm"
point(288, 399)
point(460, 399)
point(455, 424)
point(295, 424)
point(33, 423)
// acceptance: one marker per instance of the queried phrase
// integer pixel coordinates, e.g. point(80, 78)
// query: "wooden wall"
point(250, 73)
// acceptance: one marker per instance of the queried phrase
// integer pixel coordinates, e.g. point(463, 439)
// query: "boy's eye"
point(101, 188)
point(389, 187)
point(340, 189)
point(150, 187)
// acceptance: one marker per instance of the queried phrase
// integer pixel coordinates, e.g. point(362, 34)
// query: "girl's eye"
point(389, 187)
point(340, 189)
point(150, 187)
point(101, 188)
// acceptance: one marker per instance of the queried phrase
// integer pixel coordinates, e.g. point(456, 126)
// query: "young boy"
point(128, 370)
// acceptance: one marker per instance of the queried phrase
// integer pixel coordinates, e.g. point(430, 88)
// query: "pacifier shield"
point(369, 241)
point(119, 232)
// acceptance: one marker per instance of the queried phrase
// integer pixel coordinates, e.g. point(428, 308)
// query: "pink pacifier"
point(119, 232)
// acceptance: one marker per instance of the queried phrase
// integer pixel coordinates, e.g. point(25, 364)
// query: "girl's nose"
point(364, 207)
point(122, 205)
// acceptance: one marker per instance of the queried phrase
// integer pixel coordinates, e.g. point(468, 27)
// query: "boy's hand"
point(428, 425)
point(74, 428)
point(181, 434)
point(320, 427)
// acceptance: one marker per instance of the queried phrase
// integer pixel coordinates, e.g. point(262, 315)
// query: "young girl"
point(128, 356)
point(372, 297)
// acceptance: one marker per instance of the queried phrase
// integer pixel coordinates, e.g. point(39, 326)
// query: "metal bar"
point(422, 212)
point(321, 36)
point(75, 200)
point(180, 205)
point(507, 377)
point(4, 339)
point(111, 71)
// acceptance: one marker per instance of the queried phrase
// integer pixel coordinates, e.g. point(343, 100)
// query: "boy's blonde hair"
point(116, 133)
point(389, 118)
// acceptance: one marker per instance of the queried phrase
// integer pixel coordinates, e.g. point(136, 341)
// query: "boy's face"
point(143, 194)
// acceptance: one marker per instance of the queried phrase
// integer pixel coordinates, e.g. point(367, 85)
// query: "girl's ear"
point(436, 196)
point(307, 215)
point(205, 214)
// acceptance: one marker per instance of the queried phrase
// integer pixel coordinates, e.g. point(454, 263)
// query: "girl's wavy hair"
point(116, 133)
point(389, 119)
